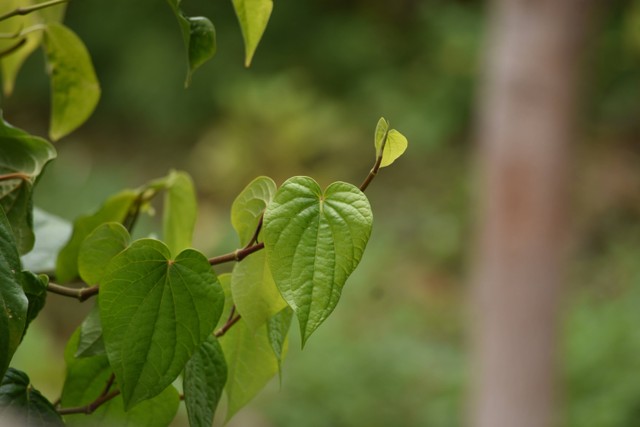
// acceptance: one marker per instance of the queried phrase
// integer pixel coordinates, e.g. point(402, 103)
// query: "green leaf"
point(13, 301)
point(22, 404)
point(250, 364)
point(117, 208)
point(392, 142)
point(225, 284)
point(35, 288)
point(204, 378)
point(199, 36)
point(248, 207)
point(75, 90)
point(51, 234)
point(155, 313)
point(278, 331)
point(98, 248)
point(90, 341)
point(180, 209)
point(85, 381)
point(314, 241)
point(23, 159)
point(253, 16)
point(254, 292)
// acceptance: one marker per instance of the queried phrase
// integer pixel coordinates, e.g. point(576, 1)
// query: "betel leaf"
point(392, 143)
point(251, 363)
point(52, 232)
point(21, 404)
point(117, 208)
point(155, 312)
point(204, 378)
point(13, 301)
point(278, 331)
point(180, 209)
point(253, 16)
point(90, 342)
point(314, 240)
point(199, 36)
point(248, 207)
point(23, 158)
point(35, 288)
point(254, 292)
point(75, 90)
point(98, 248)
point(86, 379)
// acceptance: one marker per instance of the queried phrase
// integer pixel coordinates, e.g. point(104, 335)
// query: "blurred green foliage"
point(394, 352)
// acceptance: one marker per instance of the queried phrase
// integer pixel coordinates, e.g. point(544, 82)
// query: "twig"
point(28, 9)
point(376, 165)
point(14, 175)
point(81, 294)
point(237, 255)
point(223, 330)
point(91, 407)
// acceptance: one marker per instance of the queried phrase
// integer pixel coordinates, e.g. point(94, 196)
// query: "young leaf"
point(98, 248)
point(90, 341)
point(35, 288)
point(13, 301)
point(24, 405)
point(51, 234)
point(253, 16)
point(75, 90)
point(117, 208)
point(180, 211)
point(204, 378)
point(314, 241)
point(392, 142)
point(155, 313)
point(250, 363)
point(255, 293)
point(248, 207)
point(23, 158)
point(85, 381)
point(199, 36)
point(278, 331)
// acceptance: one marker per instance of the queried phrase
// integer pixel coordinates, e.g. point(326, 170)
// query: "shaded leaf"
point(75, 90)
point(21, 404)
point(314, 240)
point(155, 313)
point(248, 207)
point(98, 248)
point(90, 342)
point(13, 301)
point(278, 331)
point(204, 378)
point(35, 288)
point(23, 159)
point(253, 16)
point(180, 209)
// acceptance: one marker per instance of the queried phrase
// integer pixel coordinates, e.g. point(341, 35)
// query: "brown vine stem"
point(237, 255)
point(81, 294)
point(15, 175)
point(223, 330)
point(91, 407)
point(376, 165)
point(28, 9)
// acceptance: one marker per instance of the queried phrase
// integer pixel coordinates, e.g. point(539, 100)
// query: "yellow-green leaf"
point(253, 16)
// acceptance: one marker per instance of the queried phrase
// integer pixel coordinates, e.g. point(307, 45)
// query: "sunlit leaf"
point(13, 301)
point(98, 248)
point(248, 207)
point(21, 404)
point(23, 159)
point(253, 16)
point(155, 313)
point(314, 240)
point(204, 378)
point(394, 143)
point(86, 379)
point(180, 209)
point(75, 90)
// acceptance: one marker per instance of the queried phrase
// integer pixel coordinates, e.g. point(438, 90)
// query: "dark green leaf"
point(52, 233)
point(155, 313)
point(314, 240)
point(23, 158)
point(253, 16)
point(278, 330)
point(86, 379)
point(75, 90)
point(90, 342)
point(204, 378)
point(180, 211)
point(98, 248)
point(13, 301)
point(23, 405)
point(35, 288)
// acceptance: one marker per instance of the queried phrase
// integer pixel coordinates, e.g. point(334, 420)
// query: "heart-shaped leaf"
point(314, 240)
point(155, 313)
point(248, 207)
point(253, 16)
point(204, 378)
point(23, 405)
point(392, 143)
point(75, 90)
point(98, 248)
point(23, 158)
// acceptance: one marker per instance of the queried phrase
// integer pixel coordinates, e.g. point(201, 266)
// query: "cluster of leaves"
point(162, 313)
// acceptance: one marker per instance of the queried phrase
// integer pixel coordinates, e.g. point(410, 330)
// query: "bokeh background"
point(395, 350)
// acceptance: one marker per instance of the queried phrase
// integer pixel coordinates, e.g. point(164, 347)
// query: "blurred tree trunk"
point(527, 107)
